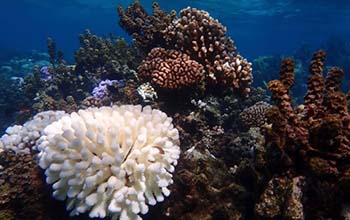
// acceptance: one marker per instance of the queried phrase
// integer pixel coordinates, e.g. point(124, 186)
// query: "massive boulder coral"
point(170, 69)
point(309, 142)
point(110, 161)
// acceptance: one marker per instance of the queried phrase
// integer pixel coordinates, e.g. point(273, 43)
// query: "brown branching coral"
point(313, 144)
point(147, 30)
point(199, 35)
point(333, 80)
point(287, 73)
point(170, 69)
point(315, 86)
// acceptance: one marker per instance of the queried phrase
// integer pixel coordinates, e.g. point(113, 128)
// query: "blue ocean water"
point(259, 27)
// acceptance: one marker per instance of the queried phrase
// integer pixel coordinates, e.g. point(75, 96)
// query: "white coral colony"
point(110, 161)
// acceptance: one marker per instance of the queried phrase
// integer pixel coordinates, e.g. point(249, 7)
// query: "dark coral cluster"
point(104, 58)
point(196, 34)
point(23, 192)
point(148, 30)
point(307, 147)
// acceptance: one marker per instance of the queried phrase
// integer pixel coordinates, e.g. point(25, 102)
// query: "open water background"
point(258, 27)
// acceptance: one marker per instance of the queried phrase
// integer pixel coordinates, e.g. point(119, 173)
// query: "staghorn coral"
point(170, 69)
point(254, 116)
point(110, 161)
point(311, 142)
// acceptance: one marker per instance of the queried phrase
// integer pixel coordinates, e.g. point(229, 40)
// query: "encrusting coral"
point(310, 142)
point(110, 161)
point(170, 69)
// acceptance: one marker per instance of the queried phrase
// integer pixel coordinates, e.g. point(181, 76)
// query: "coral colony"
point(182, 126)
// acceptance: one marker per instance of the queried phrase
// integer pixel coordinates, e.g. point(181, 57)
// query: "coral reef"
point(170, 69)
point(64, 87)
point(11, 101)
point(110, 161)
point(307, 147)
point(194, 33)
point(147, 92)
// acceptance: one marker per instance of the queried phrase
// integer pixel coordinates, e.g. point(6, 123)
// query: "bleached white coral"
point(21, 139)
point(111, 161)
point(147, 92)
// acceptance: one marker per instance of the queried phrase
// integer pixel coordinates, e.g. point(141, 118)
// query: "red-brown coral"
point(170, 69)
point(23, 193)
point(313, 144)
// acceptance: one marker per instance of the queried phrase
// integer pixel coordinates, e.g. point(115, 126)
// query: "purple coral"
point(101, 91)
point(45, 73)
